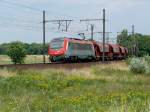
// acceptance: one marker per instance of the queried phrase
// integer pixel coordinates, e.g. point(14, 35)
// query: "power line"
point(23, 28)
point(104, 21)
point(44, 35)
point(33, 8)
point(20, 26)
point(17, 19)
point(50, 12)
point(92, 20)
point(21, 5)
point(26, 25)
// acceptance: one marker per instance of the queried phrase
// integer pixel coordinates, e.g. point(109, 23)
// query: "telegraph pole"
point(66, 26)
point(60, 22)
point(134, 40)
point(133, 48)
point(104, 32)
point(136, 49)
point(44, 36)
point(92, 31)
point(133, 28)
point(104, 35)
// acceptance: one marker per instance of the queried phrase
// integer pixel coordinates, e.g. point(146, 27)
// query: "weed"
point(99, 89)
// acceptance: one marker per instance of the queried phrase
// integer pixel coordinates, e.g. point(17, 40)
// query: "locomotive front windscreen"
point(57, 44)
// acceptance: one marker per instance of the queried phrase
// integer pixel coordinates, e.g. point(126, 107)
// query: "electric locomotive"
point(70, 49)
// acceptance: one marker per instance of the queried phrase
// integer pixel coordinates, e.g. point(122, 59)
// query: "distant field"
point(101, 88)
point(4, 59)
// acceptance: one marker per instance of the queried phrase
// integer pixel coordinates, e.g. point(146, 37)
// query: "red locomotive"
point(72, 49)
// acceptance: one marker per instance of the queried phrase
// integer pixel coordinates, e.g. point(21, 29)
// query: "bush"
point(147, 59)
point(16, 52)
point(140, 65)
point(128, 60)
point(147, 64)
point(137, 65)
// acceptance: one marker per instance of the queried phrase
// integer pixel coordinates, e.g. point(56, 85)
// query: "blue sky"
point(23, 24)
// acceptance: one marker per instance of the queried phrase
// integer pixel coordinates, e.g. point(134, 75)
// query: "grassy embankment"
point(103, 88)
point(4, 59)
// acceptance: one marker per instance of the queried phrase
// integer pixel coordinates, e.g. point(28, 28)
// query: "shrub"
point(147, 64)
point(16, 52)
point(137, 65)
point(128, 60)
point(140, 65)
point(147, 59)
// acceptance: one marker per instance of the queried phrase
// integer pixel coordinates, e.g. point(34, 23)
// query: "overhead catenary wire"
point(21, 5)
point(24, 27)
point(6, 24)
point(35, 9)
point(31, 8)
point(17, 19)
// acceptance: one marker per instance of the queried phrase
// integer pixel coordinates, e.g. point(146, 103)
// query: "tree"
point(3, 48)
point(16, 51)
point(142, 43)
point(125, 40)
point(35, 48)
point(122, 37)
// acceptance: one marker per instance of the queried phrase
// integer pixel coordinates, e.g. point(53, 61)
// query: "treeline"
point(31, 49)
point(137, 44)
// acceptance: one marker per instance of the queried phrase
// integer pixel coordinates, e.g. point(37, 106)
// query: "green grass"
point(4, 59)
point(103, 88)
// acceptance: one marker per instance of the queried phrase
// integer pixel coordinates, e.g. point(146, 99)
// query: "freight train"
point(74, 50)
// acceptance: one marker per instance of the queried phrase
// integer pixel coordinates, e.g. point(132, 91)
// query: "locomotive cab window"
point(57, 44)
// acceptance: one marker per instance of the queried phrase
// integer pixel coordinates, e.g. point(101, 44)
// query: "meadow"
point(101, 88)
point(4, 59)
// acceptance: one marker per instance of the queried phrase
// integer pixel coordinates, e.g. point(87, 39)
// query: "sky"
point(20, 20)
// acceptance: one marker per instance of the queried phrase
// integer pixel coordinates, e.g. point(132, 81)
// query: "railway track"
point(50, 65)
point(54, 65)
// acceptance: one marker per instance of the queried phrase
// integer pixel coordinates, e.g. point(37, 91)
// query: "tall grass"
point(97, 89)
